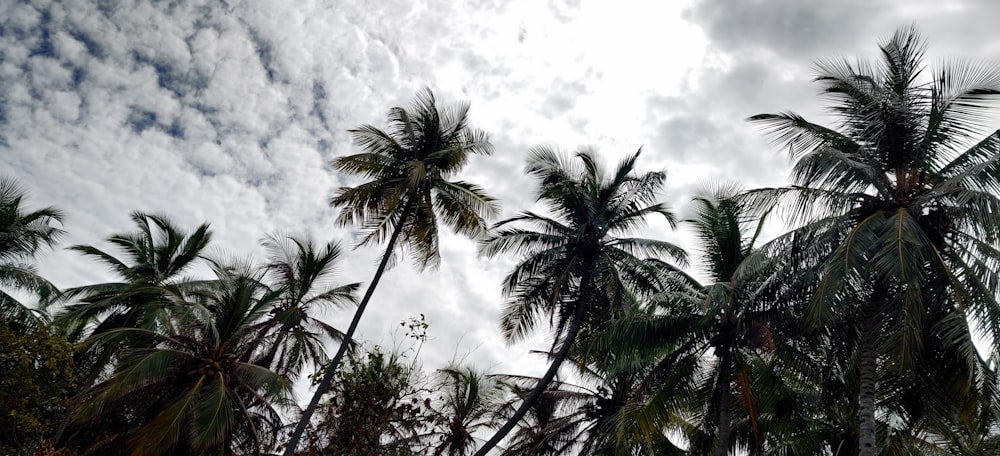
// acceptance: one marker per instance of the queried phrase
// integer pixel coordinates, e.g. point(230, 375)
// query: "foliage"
point(376, 407)
point(191, 390)
point(36, 382)
point(900, 198)
point(156, 256)
point(577, 267)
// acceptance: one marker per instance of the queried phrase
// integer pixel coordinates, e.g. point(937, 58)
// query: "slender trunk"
point(543, 383)
point(867, 372)
point(723, 383)
point(331, 369)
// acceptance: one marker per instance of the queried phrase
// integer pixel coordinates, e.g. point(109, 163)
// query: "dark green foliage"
point(578, 266)
point(190, 389)
point(36, 382)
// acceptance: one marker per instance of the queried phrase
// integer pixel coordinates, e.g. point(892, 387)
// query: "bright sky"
point(230, 112)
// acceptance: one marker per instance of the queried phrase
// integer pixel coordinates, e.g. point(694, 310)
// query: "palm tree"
point(302, 272)
point(156, 256)
point(703, 338)
point(409, 167)
point(907, 199)
point(575, 269)
point(190, 392)
point(22, 234)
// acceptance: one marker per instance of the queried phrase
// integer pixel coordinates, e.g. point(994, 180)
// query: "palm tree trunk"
point(867, 373)
point(723, 426)
point(331, 369)
point(543, 383)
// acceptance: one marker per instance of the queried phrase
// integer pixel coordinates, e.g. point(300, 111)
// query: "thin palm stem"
point(331, 369)
point(543, 383)
point(866, 397)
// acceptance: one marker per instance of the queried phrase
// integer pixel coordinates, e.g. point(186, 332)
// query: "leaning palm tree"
point(544, 430)
point(191, 391)
point(410, 167)
point(302, 271)
point(22, 234)
point(575, 268)
point(905, 193)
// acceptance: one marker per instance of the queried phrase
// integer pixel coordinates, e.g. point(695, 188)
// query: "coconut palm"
point(22, 234)
point(410, 167)
point(190, 392)
point(575, 267)
point(156, 256)
point(302, 272)
point(906, 193)
point(703, 339)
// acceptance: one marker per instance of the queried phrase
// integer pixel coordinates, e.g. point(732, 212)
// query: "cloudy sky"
point(230, 112)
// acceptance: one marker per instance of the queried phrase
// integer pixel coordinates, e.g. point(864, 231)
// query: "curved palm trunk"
point(331, 370)
point(723, 426)
point(543, 383)
point(867, 372)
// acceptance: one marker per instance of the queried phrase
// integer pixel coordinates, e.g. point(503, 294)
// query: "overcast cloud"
point(230, 112)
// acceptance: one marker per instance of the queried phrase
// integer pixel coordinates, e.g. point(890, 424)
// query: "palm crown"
point(575, 268)
point(409, 166)
point(578, 246)
point(900, 203)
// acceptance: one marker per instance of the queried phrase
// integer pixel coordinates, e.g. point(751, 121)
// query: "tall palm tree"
point(906, 193)
point(22, 234)
point(302, 271)
point(575, 268)
point(190, 391)
point(410, 167)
